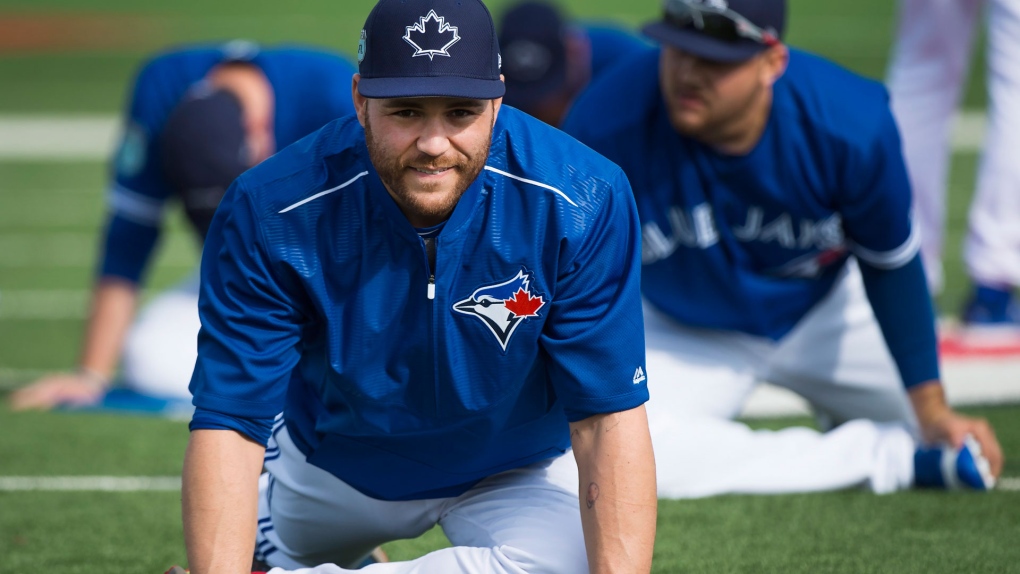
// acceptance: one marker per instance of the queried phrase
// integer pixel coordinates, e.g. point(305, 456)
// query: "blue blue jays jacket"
point(316, 300)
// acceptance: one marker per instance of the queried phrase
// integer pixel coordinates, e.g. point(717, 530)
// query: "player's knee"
point(567, 558)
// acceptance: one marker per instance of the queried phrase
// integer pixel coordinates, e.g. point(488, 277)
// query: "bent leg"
point(837, 359)
point(521, 521)
point(525, 520)
point(708, 456)
point(698, 381)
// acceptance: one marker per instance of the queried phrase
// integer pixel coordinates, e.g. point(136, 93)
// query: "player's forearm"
point(616, 471)
point(220, 501)
point(113, 308)
point(930, 405)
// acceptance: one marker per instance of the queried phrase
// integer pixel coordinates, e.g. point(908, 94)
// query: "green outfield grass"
point(856, 34)
point(852, 532)
point(51, 215)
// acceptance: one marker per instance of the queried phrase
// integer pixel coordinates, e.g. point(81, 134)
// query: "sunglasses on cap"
point(717, 22)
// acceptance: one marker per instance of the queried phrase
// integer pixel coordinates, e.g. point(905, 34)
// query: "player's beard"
point(428, 202)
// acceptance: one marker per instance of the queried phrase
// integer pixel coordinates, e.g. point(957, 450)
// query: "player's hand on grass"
point(74, 389)
point(940, 424)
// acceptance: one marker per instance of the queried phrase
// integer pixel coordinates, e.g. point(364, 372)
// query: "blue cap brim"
point(431, 87)
point(694, 42)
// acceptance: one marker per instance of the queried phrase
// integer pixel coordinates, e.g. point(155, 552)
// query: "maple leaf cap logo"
point(443, 28)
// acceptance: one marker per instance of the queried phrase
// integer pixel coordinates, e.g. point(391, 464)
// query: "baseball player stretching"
point(442, 298)
point(775, 207)
point(926, 77)
point(199, 116)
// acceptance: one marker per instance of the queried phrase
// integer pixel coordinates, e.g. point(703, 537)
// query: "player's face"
point(427, 151)
point(717, 102)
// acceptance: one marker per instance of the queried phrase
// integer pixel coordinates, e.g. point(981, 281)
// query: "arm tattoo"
point(593, 495)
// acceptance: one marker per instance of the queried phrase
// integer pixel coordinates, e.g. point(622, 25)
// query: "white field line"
point(1011, 483)
point(58, 137)
point(91, 483)
point(93, 137)
point(173, 483)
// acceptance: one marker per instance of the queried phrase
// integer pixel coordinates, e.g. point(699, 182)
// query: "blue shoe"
point(951, 469)
point(990, 306)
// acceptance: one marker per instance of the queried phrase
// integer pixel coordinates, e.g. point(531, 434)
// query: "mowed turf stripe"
point(173, 483)
point(90, 483)
point(44, 304)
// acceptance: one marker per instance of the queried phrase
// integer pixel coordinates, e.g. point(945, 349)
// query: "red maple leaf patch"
point(523, 304)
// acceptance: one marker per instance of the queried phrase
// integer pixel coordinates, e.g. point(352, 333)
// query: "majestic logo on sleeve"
point(504, 306)
point(432, 40)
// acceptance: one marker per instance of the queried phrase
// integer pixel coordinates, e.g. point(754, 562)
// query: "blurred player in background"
point(198, 118)
point(777, 246)
point(548, 62)
point(442, 296)
point(927, 75)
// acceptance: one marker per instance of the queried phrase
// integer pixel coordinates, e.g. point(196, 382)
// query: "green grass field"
point(851, 532)
point(50, 215)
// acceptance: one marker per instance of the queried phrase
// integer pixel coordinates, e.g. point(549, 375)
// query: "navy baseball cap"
point(203, 149)
point(423, 48)
point(720, 30)
point(531, 37)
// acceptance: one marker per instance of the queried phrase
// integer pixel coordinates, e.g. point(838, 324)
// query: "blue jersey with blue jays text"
point(310, 88)
point(752, 243)
point(317, 301)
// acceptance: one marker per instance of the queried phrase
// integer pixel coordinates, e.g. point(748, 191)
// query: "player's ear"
point(360, 102)
point(776, 59)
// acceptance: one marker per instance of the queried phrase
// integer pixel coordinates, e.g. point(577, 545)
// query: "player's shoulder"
point(531, 149)
point(299, 170)
point(618, 100)
point(839, 101)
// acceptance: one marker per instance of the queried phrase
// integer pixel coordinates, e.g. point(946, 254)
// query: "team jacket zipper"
point(431, 246)
point(430, 254)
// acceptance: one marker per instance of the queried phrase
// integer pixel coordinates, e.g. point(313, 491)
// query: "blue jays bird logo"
point(431, 42)
point(504, 306)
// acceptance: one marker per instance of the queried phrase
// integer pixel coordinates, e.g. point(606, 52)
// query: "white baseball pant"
point(927, 73)
point(521, 521)
point(835, 358)
point(161, 348)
